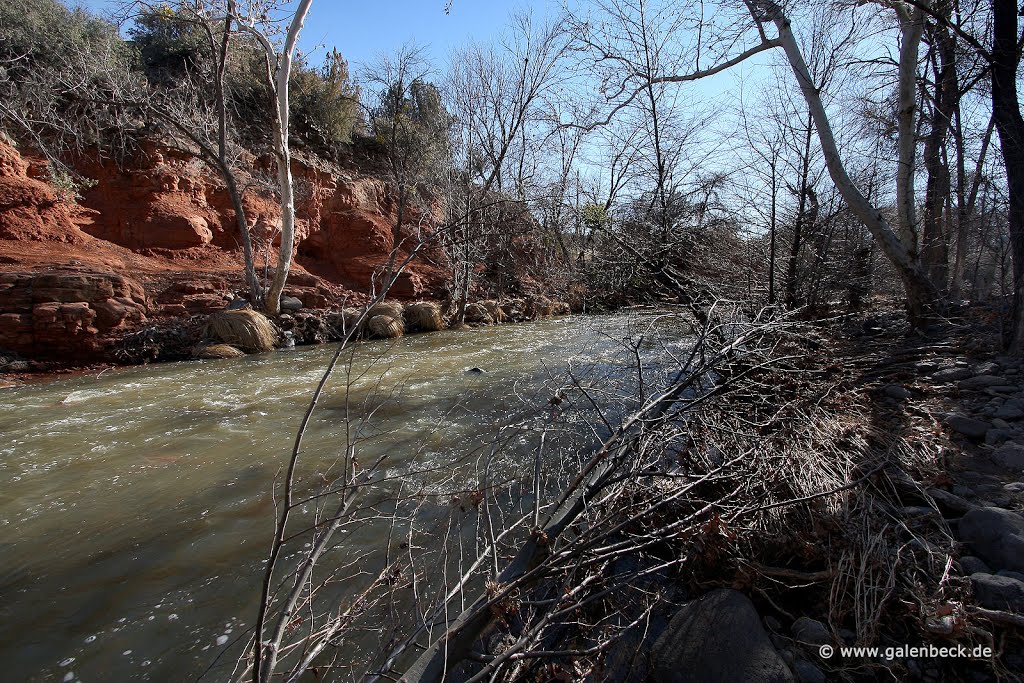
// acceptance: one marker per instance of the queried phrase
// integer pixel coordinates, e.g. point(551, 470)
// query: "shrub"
point(324, 103)
point(170, 47)
point(43, 46)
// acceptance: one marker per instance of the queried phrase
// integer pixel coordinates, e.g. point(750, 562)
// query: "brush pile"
point(776, 479)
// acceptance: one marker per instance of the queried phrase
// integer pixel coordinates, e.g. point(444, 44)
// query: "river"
point(136, 507)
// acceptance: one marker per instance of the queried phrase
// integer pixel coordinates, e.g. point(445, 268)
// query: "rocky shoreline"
point(70, 323)
point(914, 545)
point(966, 512)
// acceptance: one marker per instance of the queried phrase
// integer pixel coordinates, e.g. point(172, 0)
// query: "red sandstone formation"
point(67, 316)
point(158, 238)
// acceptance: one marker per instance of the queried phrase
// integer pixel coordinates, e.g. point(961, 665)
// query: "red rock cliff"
point(158, 237)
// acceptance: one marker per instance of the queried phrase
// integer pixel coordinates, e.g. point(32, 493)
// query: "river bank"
point(866, 492)
point(189, 337)
point(855, 516)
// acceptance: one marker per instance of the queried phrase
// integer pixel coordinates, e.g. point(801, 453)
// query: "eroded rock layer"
point(158, 237)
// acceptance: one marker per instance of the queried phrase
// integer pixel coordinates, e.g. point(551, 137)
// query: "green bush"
point(413, 127)
point(44, 35)
point(170, 46)
point(56, 66)
point(324, 103)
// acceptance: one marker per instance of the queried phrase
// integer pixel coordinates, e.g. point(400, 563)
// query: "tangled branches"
point(756, 465)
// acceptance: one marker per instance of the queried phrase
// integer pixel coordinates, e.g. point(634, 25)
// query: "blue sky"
point(362, 29)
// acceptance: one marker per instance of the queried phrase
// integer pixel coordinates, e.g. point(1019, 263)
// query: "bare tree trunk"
point(935, 249)
point(283, 153)
point(771, 236)
point(966, 201)
point(802, 216)
point(1010, 125)
point(911, 30)
point(251, 278)
point(922, 297)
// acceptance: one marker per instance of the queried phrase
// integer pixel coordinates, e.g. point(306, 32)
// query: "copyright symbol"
point(826, 651)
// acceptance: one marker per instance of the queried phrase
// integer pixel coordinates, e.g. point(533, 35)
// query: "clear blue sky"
point(361, 29)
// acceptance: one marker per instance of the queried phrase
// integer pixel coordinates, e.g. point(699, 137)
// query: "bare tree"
point(279, 63)
point(186, 110)
point(496, 94)
point(922, 296)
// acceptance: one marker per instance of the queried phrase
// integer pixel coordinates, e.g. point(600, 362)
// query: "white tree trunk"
point(911, 29)
point(283, 154)
point(922, 297)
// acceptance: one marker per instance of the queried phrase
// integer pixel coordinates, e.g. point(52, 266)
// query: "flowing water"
point(136, 507)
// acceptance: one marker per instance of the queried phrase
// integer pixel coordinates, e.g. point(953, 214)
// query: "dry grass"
point(217, 351)
point(246, 329)
point(391, 309)
point(384, 327)
point(560, 308)
point(423, 316)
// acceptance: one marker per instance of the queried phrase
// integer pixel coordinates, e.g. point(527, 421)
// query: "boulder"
point(996, 536)
point(970, 427)
point(997, 436)
point(998, 592)
point(897, 392)
point(951, 374)
point(969, 564)
point(950, 502)
point(980, 382)
point(985, 368)
point(806, 672)
point(290, 304)
point(69, 316)
point(1010, 456)
point(1009, 411)
point(717, 638)
point(811, 632)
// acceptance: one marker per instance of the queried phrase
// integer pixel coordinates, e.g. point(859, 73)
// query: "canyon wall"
point(157, 238)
